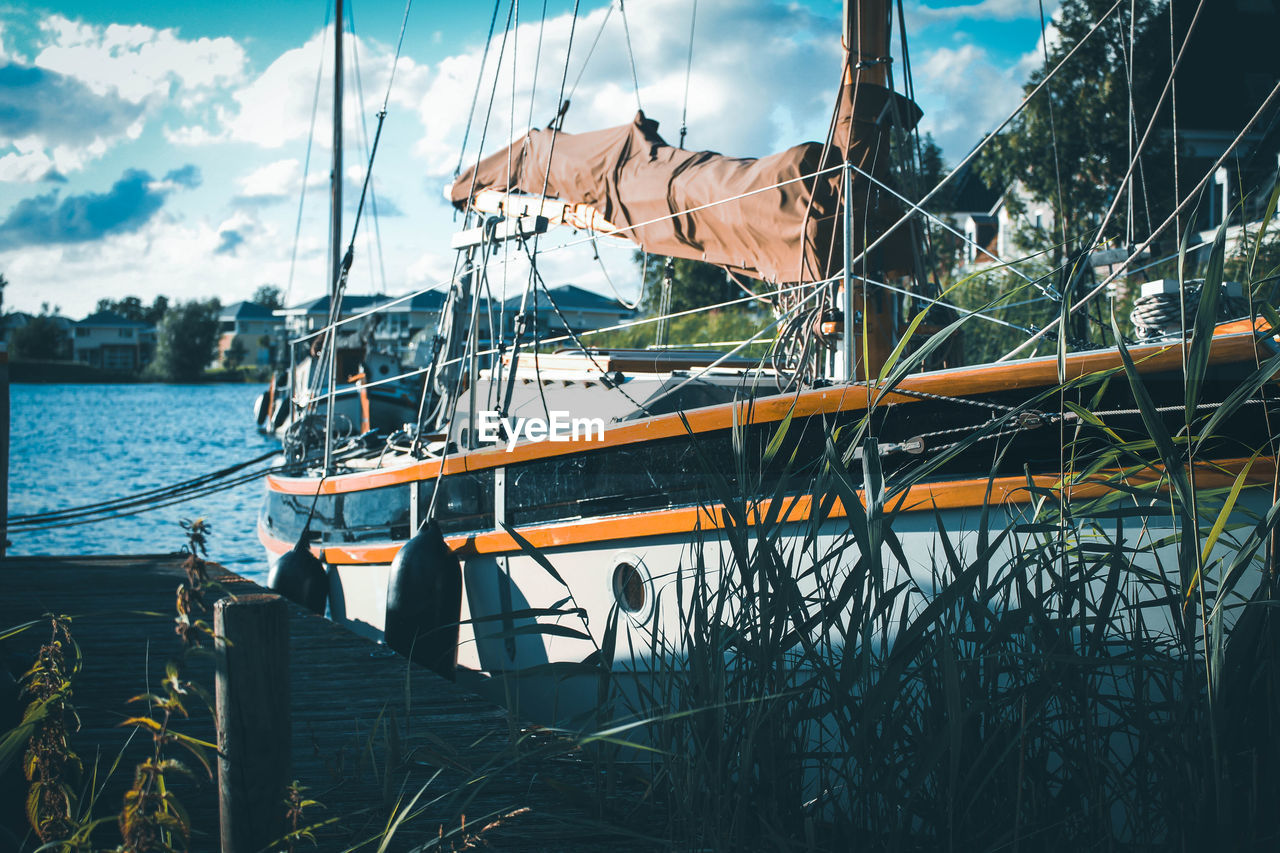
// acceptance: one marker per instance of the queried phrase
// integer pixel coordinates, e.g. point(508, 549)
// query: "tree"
point(269, 296)
point(1070, 146)
point(154, 314)
point(185, 340)
point(694, 284)
point(132, 308)
point(944, 248)
point(41, 338)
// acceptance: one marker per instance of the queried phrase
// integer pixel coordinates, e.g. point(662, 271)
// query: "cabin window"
point(376, 514)
point(653, 475)
point(287, 514)
point(465, 502)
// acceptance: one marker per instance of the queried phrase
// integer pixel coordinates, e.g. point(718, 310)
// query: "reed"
point(1097, 672)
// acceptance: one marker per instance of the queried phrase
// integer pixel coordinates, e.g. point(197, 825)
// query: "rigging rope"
point(546, 178)
point(968, 158)
point(1053, 131)
point(635, 78)
point(590, 52)
point(306, 167)
point(1177, 213)
point(630, 306)
point(689, 73)
point(1167, 90)
point(475, 97)
point(148, 499)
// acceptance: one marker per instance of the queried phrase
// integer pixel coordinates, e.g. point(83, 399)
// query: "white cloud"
point(158, 259)
point(275, 108)
point(25, 168)
point(1034, 59)
point(964, 94)
point(428, 270)
point(139, 62)
point(196, 134)
point(274, 180)
point(742, 101)
point(90, 87)
point(994, 10)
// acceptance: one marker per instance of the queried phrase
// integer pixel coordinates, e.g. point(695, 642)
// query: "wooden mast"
point(866, 40)
point(868, 313)
point(335, 233)
point(335, 176)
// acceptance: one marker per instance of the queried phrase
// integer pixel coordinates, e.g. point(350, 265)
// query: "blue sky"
point(151, 148)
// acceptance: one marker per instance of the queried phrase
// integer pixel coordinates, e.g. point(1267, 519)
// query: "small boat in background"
point(375, 395)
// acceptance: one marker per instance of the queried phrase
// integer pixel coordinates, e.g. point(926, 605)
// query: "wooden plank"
point(369, 729)
point(4, 448)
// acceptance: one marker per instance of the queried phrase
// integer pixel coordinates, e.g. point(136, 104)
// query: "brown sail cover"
point(787, 233)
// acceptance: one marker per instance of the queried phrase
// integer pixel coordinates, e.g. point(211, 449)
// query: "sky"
point(151, 148)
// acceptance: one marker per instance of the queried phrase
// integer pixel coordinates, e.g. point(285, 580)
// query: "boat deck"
point(370, 729)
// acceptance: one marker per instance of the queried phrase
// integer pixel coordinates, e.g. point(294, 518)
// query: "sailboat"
point(601, 478)
point(374, 394)
point(337, 381)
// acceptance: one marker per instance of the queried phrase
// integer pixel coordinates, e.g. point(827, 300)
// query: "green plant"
point(152, 818)
point(296, 804)
point(1095, 667)
point(50, 765)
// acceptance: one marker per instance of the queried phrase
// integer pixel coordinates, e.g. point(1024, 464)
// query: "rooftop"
point(570, 297)
point(246, 311)
point(431, 300)
point(111, 319)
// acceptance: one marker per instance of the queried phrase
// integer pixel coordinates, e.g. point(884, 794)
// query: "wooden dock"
point(370, 730)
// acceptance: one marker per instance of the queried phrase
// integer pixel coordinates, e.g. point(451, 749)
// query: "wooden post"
point(4, 447)
point(254, 727)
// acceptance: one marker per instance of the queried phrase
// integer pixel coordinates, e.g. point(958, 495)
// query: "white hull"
point(648, 639)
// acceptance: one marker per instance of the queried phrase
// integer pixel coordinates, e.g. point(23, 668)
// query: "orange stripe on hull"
point(1235, 343)
point(956, 494)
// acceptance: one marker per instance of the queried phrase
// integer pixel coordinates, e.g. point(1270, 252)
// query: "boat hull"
point(595, 551)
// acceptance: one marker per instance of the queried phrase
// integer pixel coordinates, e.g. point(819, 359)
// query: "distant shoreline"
point(22, 372)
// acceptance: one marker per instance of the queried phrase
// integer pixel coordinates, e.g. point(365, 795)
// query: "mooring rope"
point(144, 501)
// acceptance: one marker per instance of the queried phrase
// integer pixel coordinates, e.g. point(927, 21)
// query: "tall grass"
point(1088, 669)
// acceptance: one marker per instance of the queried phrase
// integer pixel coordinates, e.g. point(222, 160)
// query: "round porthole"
point(629, 588)
point(632, 586)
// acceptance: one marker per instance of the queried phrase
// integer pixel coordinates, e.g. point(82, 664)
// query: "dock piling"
point(4, 448)
point(254, 727)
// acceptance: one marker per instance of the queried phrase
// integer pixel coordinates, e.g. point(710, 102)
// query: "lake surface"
point(72, 445)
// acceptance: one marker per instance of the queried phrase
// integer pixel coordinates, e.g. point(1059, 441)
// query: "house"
point(991, 220)
point(406, 329)
point(1218, 92)
point(391, 327)
point(107, 340)
point(252, 329)
point(581, 310)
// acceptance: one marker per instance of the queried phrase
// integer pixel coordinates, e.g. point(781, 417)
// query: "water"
point(72, 445)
